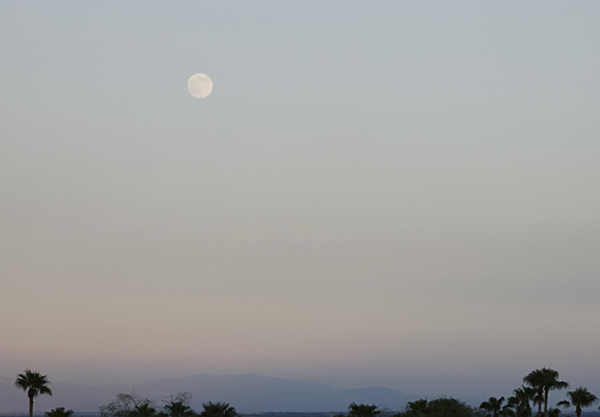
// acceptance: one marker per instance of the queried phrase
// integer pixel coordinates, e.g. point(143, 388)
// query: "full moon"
point(200, 85)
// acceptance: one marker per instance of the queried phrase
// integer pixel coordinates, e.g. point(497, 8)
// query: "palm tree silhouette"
point(143, 409)
point(580, 398)
point(363, 410)
point(543, 381)
point(179, 409)
point(520, 401)
point(59, 412)
point(34, 384)
point(535, 381)
point(494, 407)
point(218, 409)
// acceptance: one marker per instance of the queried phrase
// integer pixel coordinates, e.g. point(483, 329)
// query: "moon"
point(200, 85)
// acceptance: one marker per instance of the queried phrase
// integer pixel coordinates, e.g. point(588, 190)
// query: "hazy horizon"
point(229, 387)
point(400, 194)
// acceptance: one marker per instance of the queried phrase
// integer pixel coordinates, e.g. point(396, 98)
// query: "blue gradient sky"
point(394, 193)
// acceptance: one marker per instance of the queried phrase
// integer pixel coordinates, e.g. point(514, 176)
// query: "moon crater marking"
point(200, 85)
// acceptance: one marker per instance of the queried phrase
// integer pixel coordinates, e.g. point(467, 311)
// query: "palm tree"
point(580, 398)
point(535, 381)
point(543, 381)
point(178, 406)
point(59, 412)
point(494, 407)
point(178, 409)
point(34, 384)
point(143, 409)
point(218, 410)
point(520, 401)
point(363, 410)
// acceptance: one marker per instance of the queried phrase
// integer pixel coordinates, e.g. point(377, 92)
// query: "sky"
point(402, 194)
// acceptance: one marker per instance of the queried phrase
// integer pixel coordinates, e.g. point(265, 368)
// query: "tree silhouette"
point(143, 409)
point(440, 407)
point(415, 408)
point(179, 406)
point(543, 381)
point(123, 405)
point(580, 398)
point(520, 401)
point(218, 409)
point(535, 381)
point(495, 408)
point(449, 407)
point(34, 384)
point(59, 412)
point(363, 410)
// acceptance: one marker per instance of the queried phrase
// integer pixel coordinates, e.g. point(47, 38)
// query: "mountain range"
point(250, 393)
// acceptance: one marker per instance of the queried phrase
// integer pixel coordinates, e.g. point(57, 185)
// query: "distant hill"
point(248, 393)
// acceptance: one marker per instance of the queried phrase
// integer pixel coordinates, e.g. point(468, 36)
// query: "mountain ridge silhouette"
point(248, 393)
